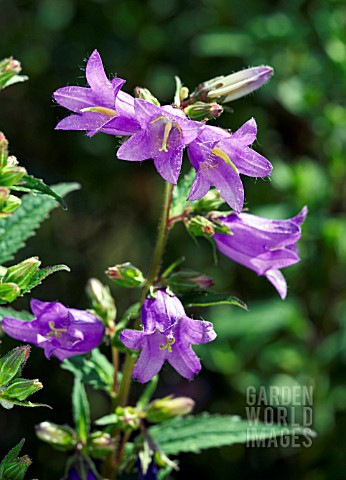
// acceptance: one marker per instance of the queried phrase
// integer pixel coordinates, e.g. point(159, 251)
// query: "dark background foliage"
point(302, 130)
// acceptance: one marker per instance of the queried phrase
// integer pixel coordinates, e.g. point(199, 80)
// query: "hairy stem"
point(111, 466)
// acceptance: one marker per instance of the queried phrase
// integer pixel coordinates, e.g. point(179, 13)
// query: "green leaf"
point(15, 230)
point(41, 274)
point(110, 419)
point(180, 194)
point(95, 370)
point(11, 312)
point(81, 410)
point(30, 184)
point(8, 403)
point(193, 434)
point(12, 467)
point(209, 299)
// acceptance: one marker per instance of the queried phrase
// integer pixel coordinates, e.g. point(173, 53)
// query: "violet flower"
point(163, 134)
point(167, 335)
point(219, 157)
point(262, 245)
point(74, 475)
point(98, 107)
point(60, 331)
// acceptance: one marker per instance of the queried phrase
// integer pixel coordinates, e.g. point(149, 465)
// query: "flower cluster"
point(161, 133)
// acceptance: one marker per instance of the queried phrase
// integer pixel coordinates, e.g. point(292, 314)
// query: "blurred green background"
point(301, 118)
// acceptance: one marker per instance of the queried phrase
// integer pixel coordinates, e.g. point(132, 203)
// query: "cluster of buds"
point(15, 280)
point(15, 467)
point(10, 175)
point(15, 390)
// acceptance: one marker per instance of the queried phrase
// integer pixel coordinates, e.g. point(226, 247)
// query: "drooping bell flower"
point(167, 335)
point(164, 132)
point(60, 331)
point(95, 107)
point(262, 245)
point(219, 158)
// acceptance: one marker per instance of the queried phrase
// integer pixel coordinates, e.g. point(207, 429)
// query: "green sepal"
point(13, 467)
point(8, 292)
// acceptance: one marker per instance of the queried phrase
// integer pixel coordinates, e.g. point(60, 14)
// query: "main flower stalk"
point(125, 384)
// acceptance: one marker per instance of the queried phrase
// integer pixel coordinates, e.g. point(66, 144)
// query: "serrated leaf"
point(11, 312)
point(193, 434)
point(41, 274)
point(209, 299)
point(180, 194)
point(21, 403)
point(81, 410)
point(96, 371)
point(30, 184)
point(15, 230)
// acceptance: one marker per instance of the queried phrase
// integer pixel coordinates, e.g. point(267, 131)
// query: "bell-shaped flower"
point(262, 245)
point(164, 132)
point(60, 331)
point(167, 335)
point(219, 158)
point(95, 107)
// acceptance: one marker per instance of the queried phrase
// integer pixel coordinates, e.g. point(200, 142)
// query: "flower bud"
point(12, 363)
point(22, 273)
point(189, 281)
point(145, 94)
point(200, 110)
point(62, 437)
point(20, 389)
point(169, 407)
point(10, 65)
point(3, 150)
point(128, 418)
point(8, 292)
point(11, 204)
point(16, 469)
point(126, 275)
point(200, 226)
point(100, 444)
point(233, 86)
point(11, 174)
point(102, 301)
point(210, 202)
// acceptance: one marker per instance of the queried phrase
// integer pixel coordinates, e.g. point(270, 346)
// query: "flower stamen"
point(56, 332)
point(170, 340)
point(103, 110)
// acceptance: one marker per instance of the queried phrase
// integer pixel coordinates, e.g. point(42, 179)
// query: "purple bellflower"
point(99, 106)
point(162, 136)
point(60, 331)
point(219, 157)
point(167, 335)
point(262, 245)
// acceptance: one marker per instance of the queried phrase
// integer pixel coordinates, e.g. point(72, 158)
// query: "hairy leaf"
point(95, 370)
point(41, 274)
point(193, 434)
point(180, 194)
point(209, 299)
point(15, 230)
point(30, 184)
point(11, 312)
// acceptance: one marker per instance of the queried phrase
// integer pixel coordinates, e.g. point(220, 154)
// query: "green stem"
point(130, 360)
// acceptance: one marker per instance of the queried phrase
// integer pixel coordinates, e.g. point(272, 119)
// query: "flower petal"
point(168, 164)
point(74, 98)
point(184, 360)
point(247, 133)
point(136, 148)
point(98, 80)
point(199, 188)
point(161, 313)
point(277, 279)
point(132, 339)
point(197, 331)
point(85, 121)
point(24, 331)
point(247, 161)
point(151, 358)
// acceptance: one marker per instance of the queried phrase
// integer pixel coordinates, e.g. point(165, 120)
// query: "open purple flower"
point(95, 107)
point(164, 132)
point(167, 335)
point(262, 245)
point(60, 331)
point(220, 157)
